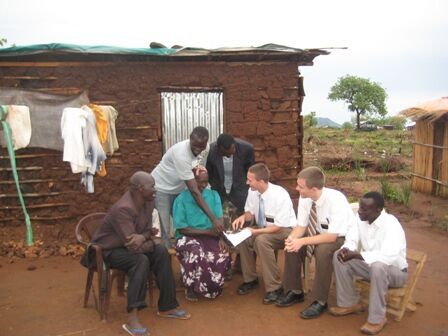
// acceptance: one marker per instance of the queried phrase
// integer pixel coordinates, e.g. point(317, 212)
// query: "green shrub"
point(401, 194)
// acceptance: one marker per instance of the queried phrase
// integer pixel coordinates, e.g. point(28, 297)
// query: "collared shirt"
point(334, 214)
point(176, 167)
point(277, 206)
point(383, 240)
point(227, 162)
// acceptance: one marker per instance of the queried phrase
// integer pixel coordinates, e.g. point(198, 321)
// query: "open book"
point(237, 238)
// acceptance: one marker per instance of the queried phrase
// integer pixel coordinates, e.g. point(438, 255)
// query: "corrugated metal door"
point(183, 111)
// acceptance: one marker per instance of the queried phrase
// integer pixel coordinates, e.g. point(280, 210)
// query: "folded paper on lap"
point(237, 238)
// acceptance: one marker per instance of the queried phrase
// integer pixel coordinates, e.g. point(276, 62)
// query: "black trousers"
point(137, 266)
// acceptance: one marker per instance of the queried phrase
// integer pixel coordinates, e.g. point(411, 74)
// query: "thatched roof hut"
point(430, 173)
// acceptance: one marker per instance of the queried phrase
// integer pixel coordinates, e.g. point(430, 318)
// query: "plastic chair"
point(84, 231)
point(398, 299)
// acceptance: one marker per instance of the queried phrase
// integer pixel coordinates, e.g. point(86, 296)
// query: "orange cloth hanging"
point(102, 129)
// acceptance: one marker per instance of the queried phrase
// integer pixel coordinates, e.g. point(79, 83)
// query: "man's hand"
point(134, 241)
point(345, 255)
point(154, 231)
point(238, 223)
point(293, 244)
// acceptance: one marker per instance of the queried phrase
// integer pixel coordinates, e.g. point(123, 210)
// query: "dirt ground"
point(43, 297)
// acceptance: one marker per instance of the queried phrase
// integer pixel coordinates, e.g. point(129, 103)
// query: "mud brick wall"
point(262, 104)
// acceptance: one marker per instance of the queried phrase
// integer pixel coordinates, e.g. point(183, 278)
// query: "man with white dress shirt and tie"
point(374, 249)
point(323, 218)
point(271, 206)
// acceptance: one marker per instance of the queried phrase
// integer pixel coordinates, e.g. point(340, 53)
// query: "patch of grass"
point(359, 169)
point(362, 145)
point(401, 194)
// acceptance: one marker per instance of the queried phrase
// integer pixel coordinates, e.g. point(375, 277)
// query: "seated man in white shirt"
point(323, 218)
point(271, 206)
point(374, 249)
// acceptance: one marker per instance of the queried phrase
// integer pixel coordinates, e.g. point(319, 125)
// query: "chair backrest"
point(87, 226)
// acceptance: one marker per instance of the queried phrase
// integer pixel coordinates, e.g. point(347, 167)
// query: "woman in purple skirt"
point(203, 256)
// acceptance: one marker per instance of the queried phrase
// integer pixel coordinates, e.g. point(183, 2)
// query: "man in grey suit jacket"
point(228, 161)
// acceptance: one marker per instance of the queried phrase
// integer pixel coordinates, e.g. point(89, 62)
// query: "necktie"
point(311, 229)
point(261, 216)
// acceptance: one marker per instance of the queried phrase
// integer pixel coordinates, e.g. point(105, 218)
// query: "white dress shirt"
point(334, 213)
point(383, 240)
point(277, 206)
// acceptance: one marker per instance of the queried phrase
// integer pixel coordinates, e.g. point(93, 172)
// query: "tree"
point(3, 41)
point(310, 119)
point(362, 96)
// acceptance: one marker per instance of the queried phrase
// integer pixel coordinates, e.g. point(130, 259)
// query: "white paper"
point(238, 237)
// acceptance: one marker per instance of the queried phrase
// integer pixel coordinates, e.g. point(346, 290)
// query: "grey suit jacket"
point(242, 159)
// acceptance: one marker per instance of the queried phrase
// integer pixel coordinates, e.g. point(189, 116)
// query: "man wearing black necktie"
point(323, 218)
point(271, 207)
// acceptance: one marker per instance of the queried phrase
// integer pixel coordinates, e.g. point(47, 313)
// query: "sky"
point(400, 44)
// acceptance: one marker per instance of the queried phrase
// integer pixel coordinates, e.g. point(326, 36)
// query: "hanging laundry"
point(102, 122)
point(102, 127)
point(73, 121)
point(95, 154)
point(111, 144)
point(82, 147)
point(18, 118)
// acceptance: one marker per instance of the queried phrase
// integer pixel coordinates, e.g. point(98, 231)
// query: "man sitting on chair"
point(323, 218)
point(374, 249)
point(271, 205)
point(126, 239)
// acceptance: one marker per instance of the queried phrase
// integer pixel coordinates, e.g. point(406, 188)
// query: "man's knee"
point(325, 251)
point(141, 262)
point(262, 242)
point(161, 252)
point(378, 269)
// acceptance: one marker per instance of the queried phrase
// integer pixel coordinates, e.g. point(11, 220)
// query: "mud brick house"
point(160, 94)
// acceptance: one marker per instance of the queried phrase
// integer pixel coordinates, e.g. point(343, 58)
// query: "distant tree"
point(347, 125)
point(3, 41)
point(362, 96)
point(310, 119)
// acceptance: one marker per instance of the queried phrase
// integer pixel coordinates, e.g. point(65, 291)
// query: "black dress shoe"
point(289, 299)
point(246, 287)
point(272, 297)
point(314, 310)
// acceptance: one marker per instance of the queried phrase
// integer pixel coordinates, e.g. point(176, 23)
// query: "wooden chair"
point(398, 299)
point(84, 231)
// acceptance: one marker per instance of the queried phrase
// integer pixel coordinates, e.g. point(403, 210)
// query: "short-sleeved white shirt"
point(383, 240)
point(334, 213)
point(176, 167)
point(277, 206)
